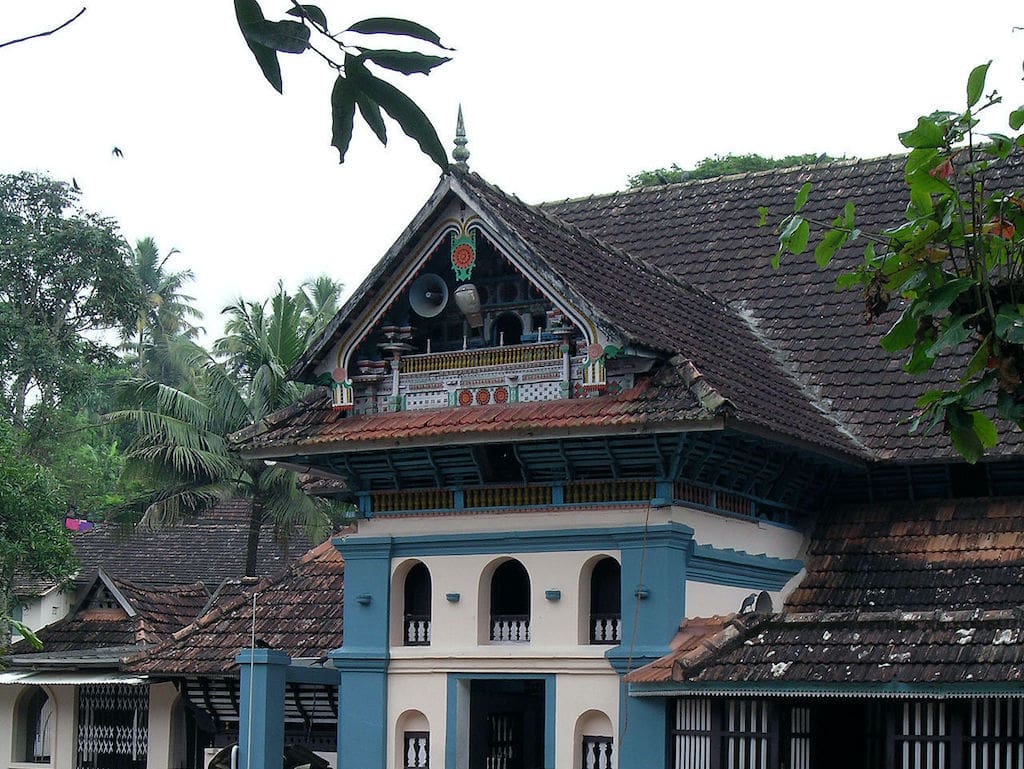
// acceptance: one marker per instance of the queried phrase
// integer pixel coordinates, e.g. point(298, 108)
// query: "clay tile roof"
point(312, 421)
point(159, 611)
point(706, 233)
point(697, 637)
point(913, 593)
point(299, 612)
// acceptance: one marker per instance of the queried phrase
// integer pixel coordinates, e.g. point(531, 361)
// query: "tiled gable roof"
point(658, 309)
point(312, 421)
point(920, 593)
point(157, 613)
point(706, 233)
point(299, 613)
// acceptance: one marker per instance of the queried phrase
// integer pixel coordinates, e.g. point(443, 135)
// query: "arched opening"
point(413, 740)
point(593, 736)
point(33, 727)
point(507, 329)
point(606, 602)
point(510, 603)
point(416, 613)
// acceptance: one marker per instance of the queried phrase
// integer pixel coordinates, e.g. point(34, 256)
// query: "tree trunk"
point(252, 544)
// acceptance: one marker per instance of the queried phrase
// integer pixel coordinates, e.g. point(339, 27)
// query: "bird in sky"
point(116, 152)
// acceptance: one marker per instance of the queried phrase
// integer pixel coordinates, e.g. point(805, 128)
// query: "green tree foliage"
point(357, 86)
point(64, 276)
point(165, 312)
point(722, 165)
point(954, 268)
point(33, 540)
point(181, 451)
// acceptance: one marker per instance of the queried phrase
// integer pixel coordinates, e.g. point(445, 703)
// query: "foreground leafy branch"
point(356, 86)
point(955, 266)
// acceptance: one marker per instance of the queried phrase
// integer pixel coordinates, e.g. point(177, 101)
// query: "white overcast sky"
point(561, 98)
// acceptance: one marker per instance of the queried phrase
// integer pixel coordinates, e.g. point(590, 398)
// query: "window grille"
point(746, 735)
point(799, 737)
point(995, 734)
point(417, 750)
point(923, 736)
point(597, 752)
point(692, 734)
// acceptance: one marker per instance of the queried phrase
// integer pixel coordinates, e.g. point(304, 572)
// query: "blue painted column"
point(653, 605)
point(363, 658)
point(261, 708)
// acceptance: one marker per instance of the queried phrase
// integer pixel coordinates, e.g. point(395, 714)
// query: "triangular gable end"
point(463, 313)
point(103, 595)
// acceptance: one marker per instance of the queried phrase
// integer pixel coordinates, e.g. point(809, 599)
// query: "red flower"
point(944, 170)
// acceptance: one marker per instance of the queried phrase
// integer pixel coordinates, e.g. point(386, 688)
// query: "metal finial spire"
point(460, 154)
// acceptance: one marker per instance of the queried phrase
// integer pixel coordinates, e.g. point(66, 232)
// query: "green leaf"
point(343, 112)
point(955, 334)
point(1017, 118)
point(902, 333)
point(402, 110)
point(389, 26)
point(311, 12)
point(801, 197)
point(924, 159)
point(979, 360)
point(284, 36)
point(762, 216)
point(946, 294)
point(985, 430)
point(928, 133)
point(26, 632)
point(248, 12)
point(797, 243)
point(967, 443)
point(976, 83)
point(826, 249)
point(406, 62)
point(370, 111)
point(920, 361)
point(1010, 323)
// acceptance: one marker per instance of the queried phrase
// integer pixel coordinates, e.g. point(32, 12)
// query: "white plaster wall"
point(456, 627)
point(165, 748)
point(722, 531)
point(46, 609)
point(64, 702)
point(704, 599)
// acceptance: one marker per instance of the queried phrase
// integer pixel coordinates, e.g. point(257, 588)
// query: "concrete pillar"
point(163, 737)
point(261, 708)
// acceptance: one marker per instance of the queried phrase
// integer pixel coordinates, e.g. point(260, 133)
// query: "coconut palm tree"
point(181, 448)
point(165, 313)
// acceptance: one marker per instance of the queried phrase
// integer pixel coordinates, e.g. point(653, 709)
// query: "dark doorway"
point(842, 735)
point(508, 329)
point(506, 724)
point(417, 606)
point(606, 602)
point(510, 603)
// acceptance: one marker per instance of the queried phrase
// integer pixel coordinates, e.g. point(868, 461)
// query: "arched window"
point(417, 606)
point(413, 731)
point(34, 727)
point(510, 603)
point(507, 329)
point(606, 602)
point(596, 744)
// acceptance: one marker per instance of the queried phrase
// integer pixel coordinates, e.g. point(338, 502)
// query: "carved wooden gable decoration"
point(464, 319)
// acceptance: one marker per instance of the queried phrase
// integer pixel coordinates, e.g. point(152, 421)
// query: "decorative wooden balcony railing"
point(422, 499)
point(605, 628)
point(417, 750)
point(508, 496)
point(490, 356)
point(510, 628)
point(592, 492)
point(417, 630)
point(597, 752)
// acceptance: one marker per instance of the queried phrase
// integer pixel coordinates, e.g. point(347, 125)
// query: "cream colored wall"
point(456, 627)
point(709, 528)
point(65, 727)
point(46, 609)
point(165, 748)
point(590, 687)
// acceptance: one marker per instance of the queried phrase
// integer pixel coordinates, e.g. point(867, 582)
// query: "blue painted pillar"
point(653, 605)
point(363, 658)
point(261, 708)
point(642, 737)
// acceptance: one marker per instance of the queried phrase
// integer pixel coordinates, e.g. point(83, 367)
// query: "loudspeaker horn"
point(428, 295)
